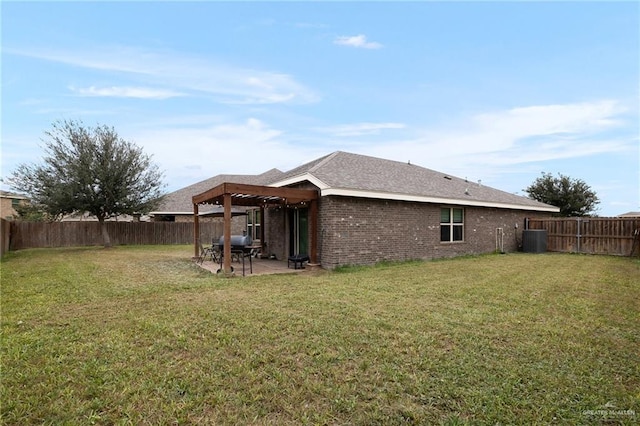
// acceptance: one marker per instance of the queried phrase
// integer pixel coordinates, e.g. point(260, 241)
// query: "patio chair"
point(204, 253)
point(215, 252)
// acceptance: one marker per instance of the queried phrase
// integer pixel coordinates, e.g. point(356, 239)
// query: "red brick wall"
point(364, 231)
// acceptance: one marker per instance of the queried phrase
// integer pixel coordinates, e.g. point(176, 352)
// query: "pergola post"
point(227, 234)
point(196, 231)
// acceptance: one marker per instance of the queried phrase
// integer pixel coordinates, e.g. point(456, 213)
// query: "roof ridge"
point(271, 170)
point(324, 161)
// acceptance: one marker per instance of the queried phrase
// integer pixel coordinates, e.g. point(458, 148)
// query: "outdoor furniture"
point(241, 248)
point(297, 259)
point(215, 251)
point(204, 253)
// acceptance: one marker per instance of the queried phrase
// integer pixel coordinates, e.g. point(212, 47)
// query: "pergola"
point(228, 194)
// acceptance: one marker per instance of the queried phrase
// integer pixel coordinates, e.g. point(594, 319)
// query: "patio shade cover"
point(228, 194)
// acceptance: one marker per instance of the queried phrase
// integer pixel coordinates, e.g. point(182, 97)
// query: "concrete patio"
point(259, 267)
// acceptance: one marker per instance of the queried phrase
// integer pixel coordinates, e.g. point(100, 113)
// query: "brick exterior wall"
point(276, 230)
point(360, 231)
point(6, 207)
point(276, 234)
point(357, 231)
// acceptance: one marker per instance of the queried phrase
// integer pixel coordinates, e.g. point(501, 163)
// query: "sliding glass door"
point(298, 231)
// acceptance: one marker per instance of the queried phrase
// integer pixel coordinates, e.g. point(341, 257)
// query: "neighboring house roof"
point(12, 195)
point(630, 214)
point(180, 201)
point(88, 217)
point(347, 174)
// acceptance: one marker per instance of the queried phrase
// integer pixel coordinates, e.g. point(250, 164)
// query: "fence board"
point(590, 235)
point(70, 234)
point(5, 233)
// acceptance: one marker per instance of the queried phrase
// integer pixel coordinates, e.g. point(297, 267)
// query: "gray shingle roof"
point(630, 214)
point(393, 179)
point(180, 201)
point(343, 173)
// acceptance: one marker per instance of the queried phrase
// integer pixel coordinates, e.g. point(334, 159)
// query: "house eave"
point(434, 200)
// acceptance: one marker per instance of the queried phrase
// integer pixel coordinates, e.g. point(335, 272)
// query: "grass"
point(141, 335)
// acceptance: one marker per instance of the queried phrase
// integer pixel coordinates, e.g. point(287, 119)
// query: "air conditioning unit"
point(534, 240)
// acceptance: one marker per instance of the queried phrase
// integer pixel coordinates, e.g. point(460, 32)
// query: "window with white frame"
point(451, 224)
point(253, 224)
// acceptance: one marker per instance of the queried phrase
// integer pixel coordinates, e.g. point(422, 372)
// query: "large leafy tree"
point(573, 196)
point(90, 170)
point(30, 213)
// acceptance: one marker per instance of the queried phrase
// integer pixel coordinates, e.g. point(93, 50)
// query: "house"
point(88, 217)
point(347, 209)
point(177, 206)
point(630, 214)
point(8, 202)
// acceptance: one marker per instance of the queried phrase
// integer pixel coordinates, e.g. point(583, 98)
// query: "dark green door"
point(298, 231)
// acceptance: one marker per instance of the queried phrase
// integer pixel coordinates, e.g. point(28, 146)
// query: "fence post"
point(5, 236)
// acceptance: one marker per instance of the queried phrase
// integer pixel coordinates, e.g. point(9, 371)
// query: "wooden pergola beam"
point(258, 193)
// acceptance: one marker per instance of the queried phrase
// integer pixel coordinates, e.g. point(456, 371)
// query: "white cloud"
point(202, 150)
point(484, 146)
point(359, 41)
point(180, 72)
point(126, 92)
point(550, 119)
point(360, 129)
point(490, 143)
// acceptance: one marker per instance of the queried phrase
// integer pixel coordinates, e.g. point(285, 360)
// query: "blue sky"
point(498, 91)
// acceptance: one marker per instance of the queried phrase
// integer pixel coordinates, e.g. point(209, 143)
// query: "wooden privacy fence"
point(68, 234)
point(591, 235)
point(5, 226)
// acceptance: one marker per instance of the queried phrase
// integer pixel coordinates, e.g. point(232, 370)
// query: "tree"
point(573, 196)
point(90, 170)
point(30, 213)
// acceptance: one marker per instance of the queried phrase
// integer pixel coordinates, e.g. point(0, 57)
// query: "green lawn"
point(141, 335)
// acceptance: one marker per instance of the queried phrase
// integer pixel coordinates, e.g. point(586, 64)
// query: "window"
point(451, 224)
point(253, 224)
